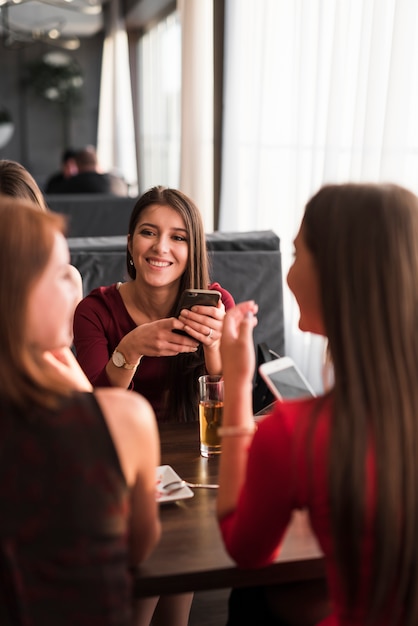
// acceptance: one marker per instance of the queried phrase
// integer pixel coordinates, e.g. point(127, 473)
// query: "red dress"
point(287, 469)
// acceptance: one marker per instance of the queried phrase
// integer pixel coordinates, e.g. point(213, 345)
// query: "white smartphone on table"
point(284, 379)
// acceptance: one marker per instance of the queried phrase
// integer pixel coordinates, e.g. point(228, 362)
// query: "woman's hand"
point(204, 323)
point(237, 347)
point(157, 339)
point(64, 367)
point(238, 358)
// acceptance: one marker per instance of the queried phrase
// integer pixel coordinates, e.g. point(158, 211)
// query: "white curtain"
point(316, 91)
point(196, 169)
point(159, 94)
point(116, 137)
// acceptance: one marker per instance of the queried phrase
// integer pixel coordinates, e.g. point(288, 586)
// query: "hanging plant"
point(56, 78)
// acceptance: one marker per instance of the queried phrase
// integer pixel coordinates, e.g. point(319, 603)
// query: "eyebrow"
point(183, 230)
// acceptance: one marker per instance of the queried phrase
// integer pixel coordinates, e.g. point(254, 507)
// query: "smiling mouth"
point(155, 263)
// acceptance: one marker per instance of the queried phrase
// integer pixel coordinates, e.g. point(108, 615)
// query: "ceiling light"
point(54, 33)
point(71, 43)
point(18, 33)
point(94, 9)
point(57, 59)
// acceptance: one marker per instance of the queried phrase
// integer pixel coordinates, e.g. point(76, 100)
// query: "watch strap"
point(130, 366)
point(125, 364)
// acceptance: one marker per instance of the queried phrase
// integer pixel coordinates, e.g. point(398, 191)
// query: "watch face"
point(118, 359)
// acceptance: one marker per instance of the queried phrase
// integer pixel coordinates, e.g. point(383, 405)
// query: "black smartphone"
point(192, 297)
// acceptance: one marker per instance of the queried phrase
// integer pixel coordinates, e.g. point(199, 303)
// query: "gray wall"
point(37, 141)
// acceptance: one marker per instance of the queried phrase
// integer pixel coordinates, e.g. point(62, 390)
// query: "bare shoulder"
point(125, 406)
point(126, 400)
point(133, 426)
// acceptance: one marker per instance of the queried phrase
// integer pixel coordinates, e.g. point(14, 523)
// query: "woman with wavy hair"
point(350, 456)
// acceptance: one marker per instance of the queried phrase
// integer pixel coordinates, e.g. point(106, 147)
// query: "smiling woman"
point(124, 335)
point(166, 254)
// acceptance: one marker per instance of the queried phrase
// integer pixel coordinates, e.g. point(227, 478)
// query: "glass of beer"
point(211, 406)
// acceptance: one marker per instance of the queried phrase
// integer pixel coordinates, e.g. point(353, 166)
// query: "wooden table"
point(191, 555)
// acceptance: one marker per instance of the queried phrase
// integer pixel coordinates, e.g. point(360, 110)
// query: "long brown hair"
point(185, 368)
point(17, 182)
point(26, 241)
point(364, 239)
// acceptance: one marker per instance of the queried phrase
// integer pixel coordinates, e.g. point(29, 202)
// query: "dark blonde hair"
point(185, 368)
point(16, 182)
point(26, 241)
point(364, 239)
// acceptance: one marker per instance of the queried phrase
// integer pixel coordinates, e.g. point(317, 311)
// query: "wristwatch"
point(118, 360)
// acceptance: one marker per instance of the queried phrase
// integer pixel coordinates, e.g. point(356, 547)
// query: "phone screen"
point(289, 383)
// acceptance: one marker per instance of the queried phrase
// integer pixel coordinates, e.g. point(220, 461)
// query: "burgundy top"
point(100, 322)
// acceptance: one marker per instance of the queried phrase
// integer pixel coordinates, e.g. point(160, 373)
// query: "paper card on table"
point(165, 475)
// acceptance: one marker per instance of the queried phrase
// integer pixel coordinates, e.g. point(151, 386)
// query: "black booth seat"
point(248, 265)
point(93, 214)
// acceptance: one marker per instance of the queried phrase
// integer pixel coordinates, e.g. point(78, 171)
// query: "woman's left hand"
point(204, 323)
point(237, 347)
point(64, 366)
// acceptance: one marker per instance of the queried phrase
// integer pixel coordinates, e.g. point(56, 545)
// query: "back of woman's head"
point(196, 275)
point(26, 241)
point(364, 239)
point(16, 182)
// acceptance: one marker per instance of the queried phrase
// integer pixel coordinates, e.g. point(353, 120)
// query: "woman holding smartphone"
point(349, 456)
point(123, 333)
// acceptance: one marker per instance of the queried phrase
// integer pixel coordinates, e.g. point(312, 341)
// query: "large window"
point(316, 91)
point(159, 63)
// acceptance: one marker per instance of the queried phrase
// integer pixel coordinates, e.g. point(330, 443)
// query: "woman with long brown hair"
point(350, 456)
point(123, 333)
point(78, 468)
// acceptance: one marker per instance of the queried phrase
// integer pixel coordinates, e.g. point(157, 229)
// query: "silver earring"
point(131, 262)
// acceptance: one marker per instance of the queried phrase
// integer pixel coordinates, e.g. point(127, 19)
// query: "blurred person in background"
point(90, 177)
point(68, 168)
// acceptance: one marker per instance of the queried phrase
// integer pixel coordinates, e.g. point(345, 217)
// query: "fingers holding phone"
point(202, 313)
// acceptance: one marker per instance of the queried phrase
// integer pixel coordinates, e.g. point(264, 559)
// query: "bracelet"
point(236, 431)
